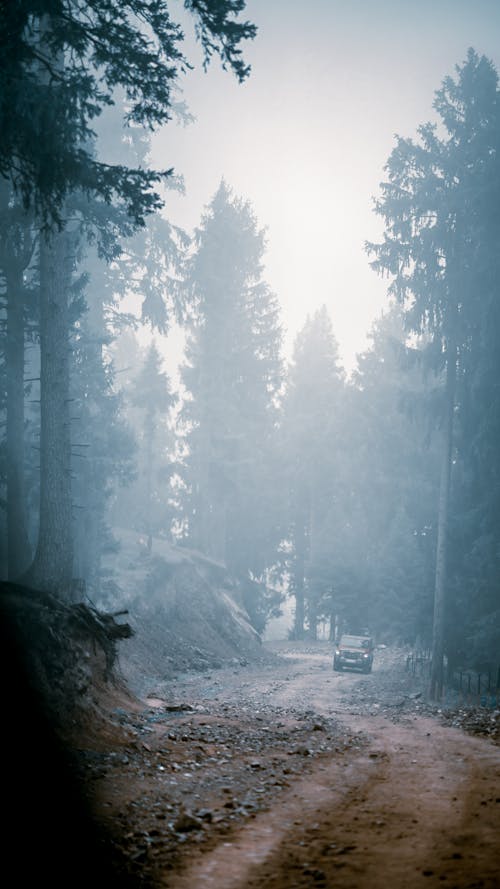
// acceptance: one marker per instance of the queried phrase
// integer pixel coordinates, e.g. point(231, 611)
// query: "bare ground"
point(290, 775)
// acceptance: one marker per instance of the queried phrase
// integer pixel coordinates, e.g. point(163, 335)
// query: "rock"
point(205, 815)
point(186, 822)
point(318, 876)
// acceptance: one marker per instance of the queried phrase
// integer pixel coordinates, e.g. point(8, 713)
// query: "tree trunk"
point(87, 531)
point(437, 662)
point(312, 585)
point(89, 494)
point(312, 614)
point(334, 624)
point(300, 562)
point(200, 520)
point(16, 250)
point(149, 434)
point(52, 568)
point(18, 548)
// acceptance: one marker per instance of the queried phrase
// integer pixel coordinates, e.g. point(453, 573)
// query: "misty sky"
point(306, 137)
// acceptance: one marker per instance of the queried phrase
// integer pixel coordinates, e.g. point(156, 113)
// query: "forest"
point(368, 495)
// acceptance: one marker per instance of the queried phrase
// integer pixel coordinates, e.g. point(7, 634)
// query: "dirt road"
point(292, 776)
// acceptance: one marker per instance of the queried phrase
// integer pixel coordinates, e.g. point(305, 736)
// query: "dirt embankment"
point(185, 609)
point(277, 773)
point(288, 775)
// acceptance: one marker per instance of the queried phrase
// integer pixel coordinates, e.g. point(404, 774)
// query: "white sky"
point(306, 137)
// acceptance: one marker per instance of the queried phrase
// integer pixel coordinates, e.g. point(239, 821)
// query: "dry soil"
point(291, 775)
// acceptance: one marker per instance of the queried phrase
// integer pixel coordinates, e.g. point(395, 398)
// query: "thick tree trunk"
point(18, 548)
point(16, 248)
point(52, 567)
point(437, 662)
point(89, 494)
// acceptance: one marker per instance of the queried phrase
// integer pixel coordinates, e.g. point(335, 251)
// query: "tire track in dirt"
point(232, 862)
point(419, 805)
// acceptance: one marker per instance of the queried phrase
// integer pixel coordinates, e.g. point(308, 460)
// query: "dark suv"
point(354, 653)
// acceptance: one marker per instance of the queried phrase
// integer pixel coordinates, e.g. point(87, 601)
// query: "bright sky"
point(306, 137)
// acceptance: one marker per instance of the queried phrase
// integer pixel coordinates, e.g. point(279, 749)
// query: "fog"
point(283, 356)
point(305, 138)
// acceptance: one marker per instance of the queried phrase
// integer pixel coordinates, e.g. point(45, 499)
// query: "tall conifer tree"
point(233, 375)
point(441, 245)
point(60, 66)
point(312, 420)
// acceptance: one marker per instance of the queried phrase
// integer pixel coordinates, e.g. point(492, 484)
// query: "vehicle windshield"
point(355, 641)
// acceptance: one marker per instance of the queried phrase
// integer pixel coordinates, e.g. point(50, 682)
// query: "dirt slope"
point(183, 607)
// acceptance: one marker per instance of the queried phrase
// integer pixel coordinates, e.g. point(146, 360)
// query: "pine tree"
point(232, 376)
point(152, 395)
point(388, 533)
point(311, 425)
point(441, 247)
point(60, 66)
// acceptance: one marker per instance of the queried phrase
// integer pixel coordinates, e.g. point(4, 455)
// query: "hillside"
point(159, 615)
point(184, 610)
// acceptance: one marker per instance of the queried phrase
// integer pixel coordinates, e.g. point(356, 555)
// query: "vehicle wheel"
point(337, 667)
point(368, 669)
